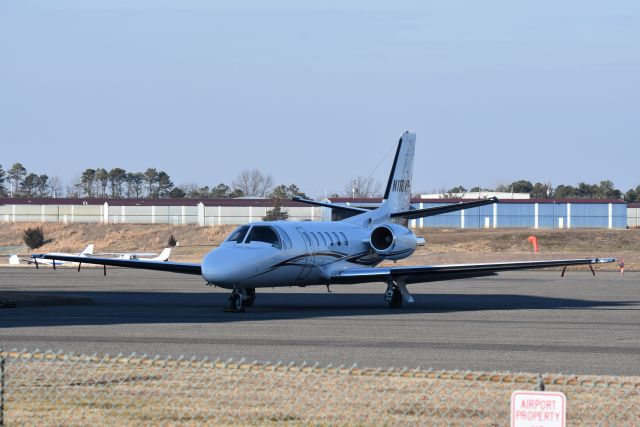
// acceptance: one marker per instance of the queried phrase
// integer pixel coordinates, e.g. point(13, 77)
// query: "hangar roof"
point(143, 202)
point(260, 202)
point(418, 200)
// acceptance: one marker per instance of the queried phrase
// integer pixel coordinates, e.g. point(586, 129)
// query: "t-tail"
point(396, 202)
point(397, 194)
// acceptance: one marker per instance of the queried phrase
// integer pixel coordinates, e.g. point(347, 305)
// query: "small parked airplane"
point(57, 262)
point(294, 253)
point(164, 255)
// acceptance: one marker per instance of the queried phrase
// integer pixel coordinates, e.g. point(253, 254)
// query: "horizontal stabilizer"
point(330, 205)
point(422, 213)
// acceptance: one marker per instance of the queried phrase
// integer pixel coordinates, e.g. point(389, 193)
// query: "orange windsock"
point(534, 242)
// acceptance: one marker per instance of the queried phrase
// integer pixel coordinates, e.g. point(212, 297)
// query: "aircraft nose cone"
point(216, 268)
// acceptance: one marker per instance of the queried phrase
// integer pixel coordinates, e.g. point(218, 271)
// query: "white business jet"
point(292, 253)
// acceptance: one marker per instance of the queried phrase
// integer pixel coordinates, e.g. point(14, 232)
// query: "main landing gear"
point(251, 297)
point(241, 298)
point(396, 291)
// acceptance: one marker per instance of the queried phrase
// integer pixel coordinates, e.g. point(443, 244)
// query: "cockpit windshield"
point(266, 234)
point(238, 234)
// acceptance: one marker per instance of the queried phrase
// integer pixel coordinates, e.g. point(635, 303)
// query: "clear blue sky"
point(316, 93)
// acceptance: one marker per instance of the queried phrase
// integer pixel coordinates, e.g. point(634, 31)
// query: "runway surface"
point(519, 321)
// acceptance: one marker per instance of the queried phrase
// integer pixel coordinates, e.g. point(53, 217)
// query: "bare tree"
point(363, 186)
point(253, 183)
point(189, 188)
point(55, 187)
point(75, 189)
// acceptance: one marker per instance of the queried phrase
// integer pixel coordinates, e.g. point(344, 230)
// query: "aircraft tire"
point(396, 299)
point(251, 297)
point(235, 302)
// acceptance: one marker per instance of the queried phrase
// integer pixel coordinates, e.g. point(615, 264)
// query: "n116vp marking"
point(402, 185)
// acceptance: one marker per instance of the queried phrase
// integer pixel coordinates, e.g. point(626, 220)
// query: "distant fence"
point(65, 389)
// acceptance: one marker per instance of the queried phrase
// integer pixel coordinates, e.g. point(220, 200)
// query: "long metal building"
point(633, 215)
point(149, 211)
point(517, 213)
point(530, 213)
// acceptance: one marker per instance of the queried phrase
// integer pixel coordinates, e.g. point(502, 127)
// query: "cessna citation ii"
point(283, 253)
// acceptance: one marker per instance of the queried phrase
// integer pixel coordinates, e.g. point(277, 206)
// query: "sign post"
point(538, 409)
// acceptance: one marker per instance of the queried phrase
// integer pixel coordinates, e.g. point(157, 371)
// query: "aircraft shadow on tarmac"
point(172, 307)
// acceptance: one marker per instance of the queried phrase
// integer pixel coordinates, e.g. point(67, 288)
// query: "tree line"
point(154, 183)
point(603, 190)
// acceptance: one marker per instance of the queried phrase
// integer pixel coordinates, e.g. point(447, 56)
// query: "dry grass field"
point(56, 389)
point(443, 245)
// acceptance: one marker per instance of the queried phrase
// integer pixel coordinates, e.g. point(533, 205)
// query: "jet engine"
point(392, 241)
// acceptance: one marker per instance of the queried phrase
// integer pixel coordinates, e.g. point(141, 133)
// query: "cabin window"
point(238, 234)
point(324, 241)
point(329, 238)
point(337, 239)
point(307, 240)
point(315, 238)
point(264, 233)
point(344, 238)
point(286, 240)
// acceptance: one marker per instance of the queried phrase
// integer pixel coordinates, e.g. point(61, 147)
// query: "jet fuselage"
point(306, 253)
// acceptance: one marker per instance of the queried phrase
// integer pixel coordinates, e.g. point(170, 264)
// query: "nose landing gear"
point(240, 298)
point(235, 303)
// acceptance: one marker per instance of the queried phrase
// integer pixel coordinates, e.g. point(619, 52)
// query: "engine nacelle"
point(392, 241)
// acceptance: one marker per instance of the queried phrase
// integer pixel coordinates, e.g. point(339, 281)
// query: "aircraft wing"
point(434, 273)
point(174, 267)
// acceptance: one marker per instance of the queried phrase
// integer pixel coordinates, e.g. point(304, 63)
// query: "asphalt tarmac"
point(532, 321)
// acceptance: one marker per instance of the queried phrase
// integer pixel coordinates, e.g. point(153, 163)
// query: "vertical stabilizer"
point(88, 250)
point(397, 195)
point(164, 255)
